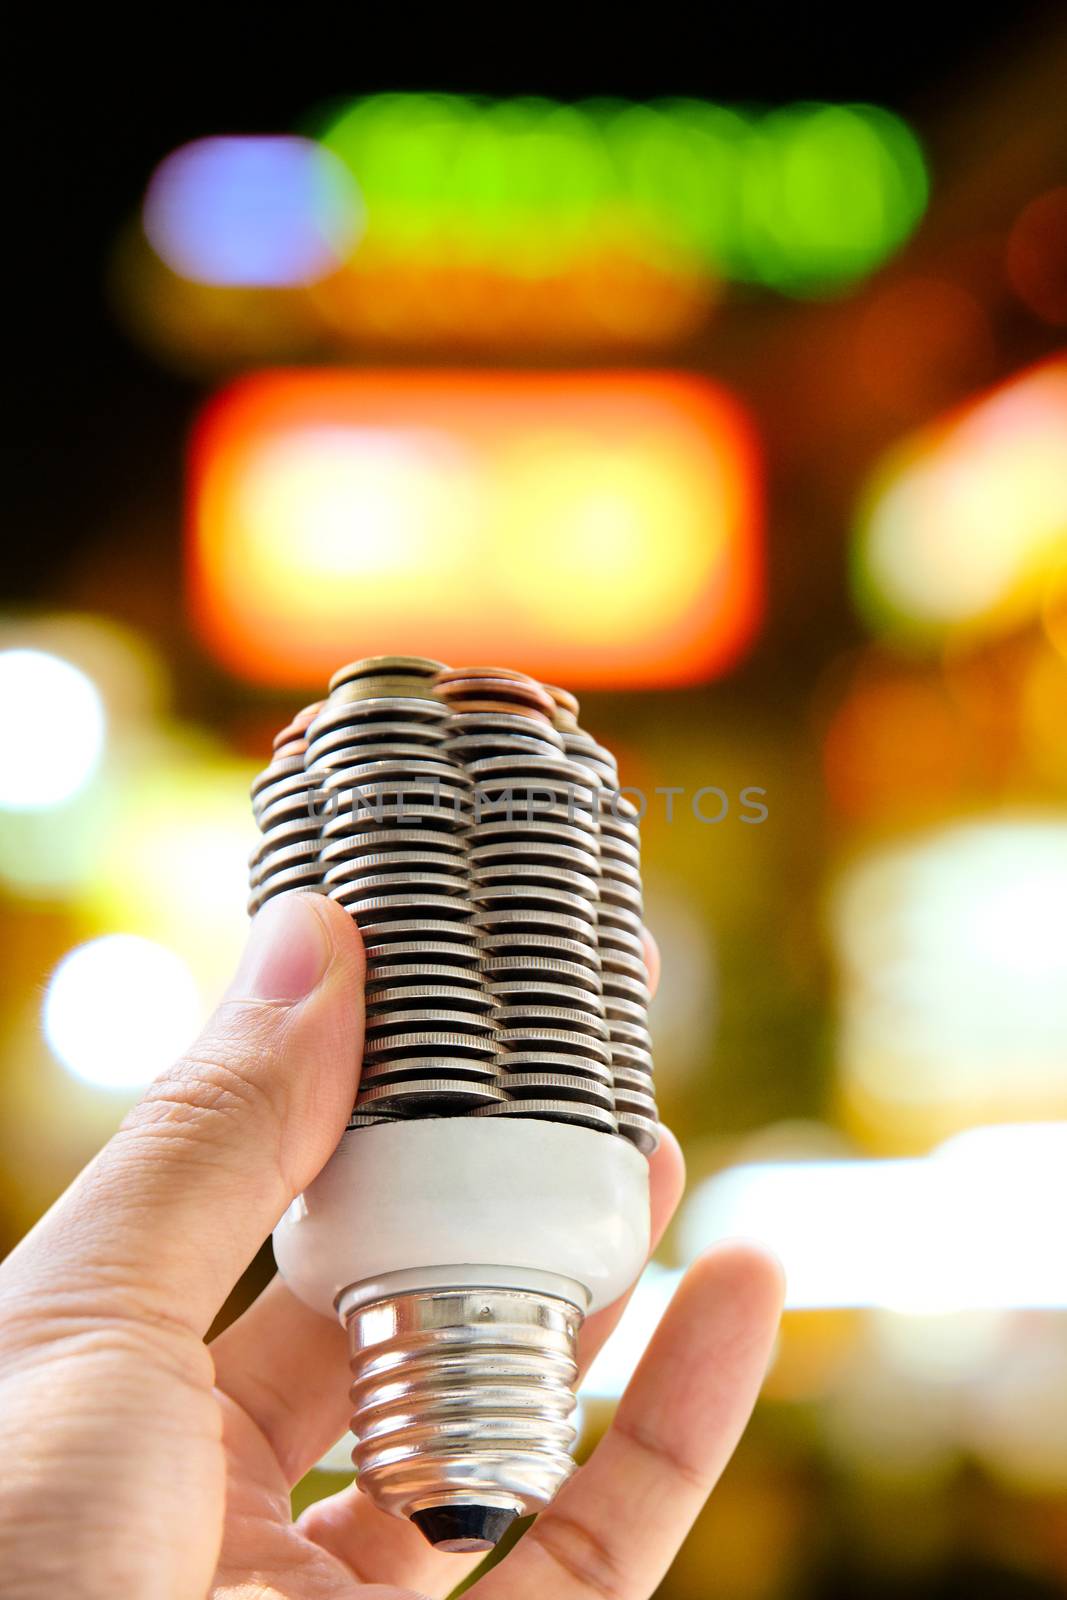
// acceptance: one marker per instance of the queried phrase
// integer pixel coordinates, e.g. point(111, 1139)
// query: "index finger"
point(616, 1526)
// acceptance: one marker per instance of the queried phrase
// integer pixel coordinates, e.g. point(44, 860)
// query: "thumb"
point(162, 1223)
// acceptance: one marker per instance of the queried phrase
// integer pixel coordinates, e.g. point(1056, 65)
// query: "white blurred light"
point(61, 723)
point(977, 1224)
point(953, 951)
point(118, 1009)
point(617, 1359)
point(338, 1458)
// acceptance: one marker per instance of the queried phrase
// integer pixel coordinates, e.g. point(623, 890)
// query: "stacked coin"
point(287, 858)
point(534, 867)
point(477, 836)
point(396, 812)
point(620, 938)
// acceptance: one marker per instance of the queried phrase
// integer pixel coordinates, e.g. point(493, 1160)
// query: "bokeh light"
point(963, 524)
point(60, 717)
point(265, 210)
point(601, 528)
point(975, 1225)
point(804, 199)
point(1036, 256)
point(952, 953)
point(119, 1008)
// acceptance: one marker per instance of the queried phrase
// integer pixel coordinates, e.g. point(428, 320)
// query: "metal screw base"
point(463, 1404)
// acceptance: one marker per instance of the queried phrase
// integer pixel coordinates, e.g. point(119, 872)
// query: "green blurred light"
point(806, 199)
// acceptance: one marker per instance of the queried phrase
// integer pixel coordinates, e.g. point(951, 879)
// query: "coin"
point(575, 1111)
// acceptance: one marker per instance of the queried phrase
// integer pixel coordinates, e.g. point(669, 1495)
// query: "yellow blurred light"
point(173, 864)
point(617, 1359)
point(952, 952)
point(963, 524)
point(599, 527)
point(118, 1009)
point(60, 717)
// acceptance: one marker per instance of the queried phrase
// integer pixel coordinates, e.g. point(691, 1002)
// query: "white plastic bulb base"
point(462, 1254)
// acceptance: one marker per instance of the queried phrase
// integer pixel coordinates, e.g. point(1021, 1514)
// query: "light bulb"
point(491, 1188)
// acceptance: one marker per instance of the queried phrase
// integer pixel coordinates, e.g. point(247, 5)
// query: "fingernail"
point(288, 951)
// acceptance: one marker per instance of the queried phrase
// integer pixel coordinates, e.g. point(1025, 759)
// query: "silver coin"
point(555, 924)
point(398, 881)
point(284, 833)
point(621, 986)
point(391, 958)
point(556, 1086)
point(392, 795)
point(534, 769)
point(453, 863)
point(545, 876)
point(397, 1021)
point(349, 820)
point(297, 782)
point(436, 1039)
point(534, 832)
point(616, 916)
point(366, 1119)
point(631, 1055)
point(403, 771)
point(403, 1069)
point(404, 994)
point(501, 897)
point(373, 666)
point(297, 811)
point(628, 1078)
point(615, 893)
point(374, 841)
point(522, 967)
point(617, 1010)
point(618, 851)
point(615, 960)
point(625, 940)
point(521, 946)
point(641, 1131)
point(276, 771)
point(635, 1103)
point(565, 1040)
point(382, 907)
point(634, 1033)
point(558, 1061)
point(626, 832)
point(426, 932)
point(451, 1091)
point(293, 878)
point(435, 1064)
point(538, 990)
point(538, 1014)
point(305, 853)
point(406, 708)
point(514, 810)
point(477, 746)
point(349, 741)
point(542, 852)
point(576, 1111)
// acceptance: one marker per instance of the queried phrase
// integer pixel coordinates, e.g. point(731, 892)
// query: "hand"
point(140, 1463)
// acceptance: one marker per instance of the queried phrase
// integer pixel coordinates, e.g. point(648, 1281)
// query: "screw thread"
point(464, 1397)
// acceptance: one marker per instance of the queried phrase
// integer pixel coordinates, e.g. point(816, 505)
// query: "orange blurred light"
point(597, 527)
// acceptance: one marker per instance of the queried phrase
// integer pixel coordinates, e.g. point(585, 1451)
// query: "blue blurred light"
point(259, 211)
